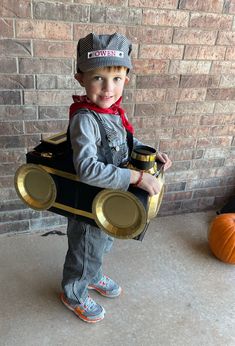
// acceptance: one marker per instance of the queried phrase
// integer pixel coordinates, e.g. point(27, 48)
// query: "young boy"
point(103, 63)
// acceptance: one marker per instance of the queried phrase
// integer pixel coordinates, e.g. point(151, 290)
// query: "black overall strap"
point(129, 143)
point(104, 139)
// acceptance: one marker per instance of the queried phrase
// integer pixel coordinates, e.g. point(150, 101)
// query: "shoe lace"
point(89, 303)
point(104, 281)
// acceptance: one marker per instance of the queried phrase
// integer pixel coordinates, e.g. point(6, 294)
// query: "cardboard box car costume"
point(49, 181)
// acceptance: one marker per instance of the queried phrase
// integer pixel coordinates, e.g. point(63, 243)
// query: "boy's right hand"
point(148, 182)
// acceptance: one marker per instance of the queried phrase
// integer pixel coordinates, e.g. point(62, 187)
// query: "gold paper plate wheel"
point(35, 186)
point(119, 213)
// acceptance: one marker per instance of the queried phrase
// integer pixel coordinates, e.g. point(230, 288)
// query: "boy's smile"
point(103, 86)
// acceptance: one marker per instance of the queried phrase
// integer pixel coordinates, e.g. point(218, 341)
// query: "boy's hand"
point(147, 182)
point(165, 159)
point(150, 184)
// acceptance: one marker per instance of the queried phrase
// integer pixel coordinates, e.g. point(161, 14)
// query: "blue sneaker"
point(106, 287)
point(88, 310)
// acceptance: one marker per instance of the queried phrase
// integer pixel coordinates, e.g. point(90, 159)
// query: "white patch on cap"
point(105, 54)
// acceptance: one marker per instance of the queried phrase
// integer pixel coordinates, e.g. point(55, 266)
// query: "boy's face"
point(103, 86)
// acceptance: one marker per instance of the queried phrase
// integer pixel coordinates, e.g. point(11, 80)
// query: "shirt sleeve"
point(85, 140)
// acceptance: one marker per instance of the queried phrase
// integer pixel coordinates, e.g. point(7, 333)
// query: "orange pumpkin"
point(221, 237)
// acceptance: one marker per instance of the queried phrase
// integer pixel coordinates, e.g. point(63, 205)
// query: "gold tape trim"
point(73, 210)
point(62, 174)
point(145, 158)
point(61, 135)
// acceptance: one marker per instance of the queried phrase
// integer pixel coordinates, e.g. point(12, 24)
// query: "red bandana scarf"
point(115, 109)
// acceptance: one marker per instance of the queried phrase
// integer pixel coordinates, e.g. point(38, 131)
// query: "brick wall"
point(181, 98)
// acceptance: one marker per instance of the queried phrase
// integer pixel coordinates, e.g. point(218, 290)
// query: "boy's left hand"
point(165, 159)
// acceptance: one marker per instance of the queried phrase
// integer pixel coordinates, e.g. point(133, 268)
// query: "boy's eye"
point(117, 79)
point(97, 78)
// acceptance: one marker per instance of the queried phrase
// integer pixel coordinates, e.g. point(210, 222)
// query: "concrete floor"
point(175, 292)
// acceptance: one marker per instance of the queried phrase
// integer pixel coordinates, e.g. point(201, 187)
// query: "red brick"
point(171, 4)
point(187, 154)
point(41, 29)
point(189, 67)
point(16, 82)
point(149, 35)
point(217, 119)
point(229, 6)
point(81, 30)
point(150, 66)
point(221, 94)
point(199, 204)
point(165, 18)
point(50, 66)
point(54, 49)
point(197, 164)
point(225, 130)
point(211, 21)
point(148, 95)
point(183, 120)
point(223, 67)
point(204, 52)
point(195, 132)
point(224, 107)
point(8, 64)
point(19, 48)
point(45, 126)
point(22, 141)
point(57, 82)
point(150, 109)
point(214, 191)
point(175, 187)
point(180, 165)
point(103, 2)
point(226, 38)
point(47, 98)
point(195, 108)
point(15, 8)
point(161, 51)
point(122, 15)
point(10, 113)
point(190, 94)
point(7, 169)
point(150, 82)
point(163, 133)
point(59, 11)
point(225, 141)
point(6, 182)
point(214, 142)
point(177, 144)
point(227, 81)
point(6, 28)
point(199, 81)
point(230, 53)
point(169, 208)
point(11, 156)
point(53, 112)
point(178, 196)
point(194, 36)
point(10, 97)
point(212, 182)
point(202, 5)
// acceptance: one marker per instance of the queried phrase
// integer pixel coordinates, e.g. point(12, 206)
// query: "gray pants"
point(83, 263)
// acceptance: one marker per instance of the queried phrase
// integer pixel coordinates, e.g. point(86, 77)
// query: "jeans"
point(83, 263)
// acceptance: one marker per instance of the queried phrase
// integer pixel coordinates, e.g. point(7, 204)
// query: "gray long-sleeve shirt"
point(90, 155)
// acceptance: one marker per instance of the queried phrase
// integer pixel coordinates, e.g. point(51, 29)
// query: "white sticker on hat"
point(105, 54)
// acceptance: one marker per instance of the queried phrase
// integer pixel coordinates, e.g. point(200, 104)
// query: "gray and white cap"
point(94, 51)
